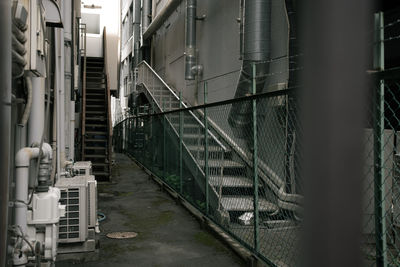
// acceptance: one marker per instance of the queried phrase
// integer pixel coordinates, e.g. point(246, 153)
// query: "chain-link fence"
point(237, 161)
point(234, 160)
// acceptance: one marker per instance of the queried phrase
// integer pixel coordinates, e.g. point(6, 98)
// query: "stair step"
point(201, 148)
point(96, 132)
point(95, 125)
point(95, 112)
point(222, 163)
point(100, 118)
point(88, 156)
point(94, 94)
point(230, 181)
point(95, 106)
point(95, 148)
point(245, 204)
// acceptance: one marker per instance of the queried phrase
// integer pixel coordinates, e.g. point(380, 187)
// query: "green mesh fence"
point(235, 161)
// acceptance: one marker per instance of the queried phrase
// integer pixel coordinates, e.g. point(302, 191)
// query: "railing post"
point(180, 144)
point(206, 169)
point(379, 174)
point(255, 165)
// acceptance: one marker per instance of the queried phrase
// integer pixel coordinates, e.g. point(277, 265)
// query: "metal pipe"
point(190, 49)
point(28, 105)
point(146, 14)
point(256, 49)
point(22, 163)
point(37, 115)
point(159, 20)
point(5, 122)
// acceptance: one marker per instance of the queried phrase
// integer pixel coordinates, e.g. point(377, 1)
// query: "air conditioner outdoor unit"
point(78, 228)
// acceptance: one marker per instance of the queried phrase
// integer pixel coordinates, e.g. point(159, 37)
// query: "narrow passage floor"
point(167, 234)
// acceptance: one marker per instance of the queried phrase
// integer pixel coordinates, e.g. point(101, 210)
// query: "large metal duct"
point(159, 20)
point(5, 122)
point(256, 50)
point(146, 14)
point(190, 53)
point(136, 31)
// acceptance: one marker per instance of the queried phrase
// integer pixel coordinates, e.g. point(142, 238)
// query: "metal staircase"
point(229, 166)
point(95, 119)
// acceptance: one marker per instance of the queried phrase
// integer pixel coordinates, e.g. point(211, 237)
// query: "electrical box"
point(35, 39)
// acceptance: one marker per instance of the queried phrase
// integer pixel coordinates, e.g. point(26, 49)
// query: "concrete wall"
point(218, 49)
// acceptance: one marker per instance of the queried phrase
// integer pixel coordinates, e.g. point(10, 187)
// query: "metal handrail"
point(223, 147)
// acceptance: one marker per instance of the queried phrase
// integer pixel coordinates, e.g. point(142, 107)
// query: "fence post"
point(255, 165)
point(206, 149)
point(180, 144)
point(379, 174)
point(164, 142)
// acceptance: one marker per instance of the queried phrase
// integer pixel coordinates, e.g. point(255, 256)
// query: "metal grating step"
point(230, 181)
point(246, 204)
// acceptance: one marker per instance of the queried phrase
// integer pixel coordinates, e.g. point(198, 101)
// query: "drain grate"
point(122, 235)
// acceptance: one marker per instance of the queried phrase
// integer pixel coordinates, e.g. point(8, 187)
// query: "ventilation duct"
point(256, 50)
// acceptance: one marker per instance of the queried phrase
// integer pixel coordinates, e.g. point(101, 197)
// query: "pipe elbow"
point(47, 151)
point(24, 156)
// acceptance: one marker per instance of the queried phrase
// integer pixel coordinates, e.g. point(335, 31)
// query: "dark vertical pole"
point(5, 121)
point(379, 126)
point(206, 167)
point(255, 164)
point(333, 107)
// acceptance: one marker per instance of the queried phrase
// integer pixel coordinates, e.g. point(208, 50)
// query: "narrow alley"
point(167, 235)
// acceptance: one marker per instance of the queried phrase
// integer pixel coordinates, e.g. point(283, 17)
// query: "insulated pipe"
point(190, 53)
point(256, 50)
point(146, 15)
point(59, 40)
point(37, 115)
point(5, 122)
point(22, 162)
point(159, 20)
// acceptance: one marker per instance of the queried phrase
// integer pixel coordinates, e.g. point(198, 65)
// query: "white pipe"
point(22, 162)
point(37, 116)
point(72, 131)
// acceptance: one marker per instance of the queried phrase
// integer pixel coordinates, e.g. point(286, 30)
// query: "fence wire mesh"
point(235, 160)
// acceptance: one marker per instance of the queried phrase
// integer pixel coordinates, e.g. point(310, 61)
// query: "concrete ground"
point(168, 235)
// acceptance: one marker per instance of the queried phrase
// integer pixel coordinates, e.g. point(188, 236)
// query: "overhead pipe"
point(190, 49)
point(159, 20)
point(5, 122)
point(256, 50)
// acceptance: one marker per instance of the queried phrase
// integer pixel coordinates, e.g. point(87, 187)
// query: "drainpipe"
point(5, 121)
point(59, 40)
point(190, 53)
point(256, 49)
point(37, 115)
point(22, 162)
